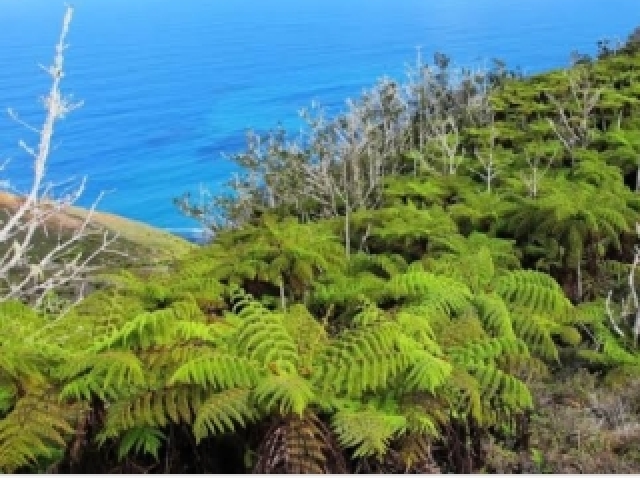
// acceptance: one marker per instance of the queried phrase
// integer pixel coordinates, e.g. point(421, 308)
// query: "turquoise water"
point(169, 86)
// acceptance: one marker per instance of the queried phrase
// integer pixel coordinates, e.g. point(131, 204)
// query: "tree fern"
point(299, 445)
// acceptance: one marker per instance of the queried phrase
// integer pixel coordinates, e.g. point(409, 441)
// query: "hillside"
point(438, 282)
point(143, 242)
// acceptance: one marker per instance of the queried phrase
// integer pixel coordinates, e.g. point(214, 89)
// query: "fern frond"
point(96, 317)
point(8, 395)
point(220, 412)
point(523, 366)
point(414, 451)
point(483, 352)
point(341, 290)
point(473, 268)
point(153, 409)
point(425, 372)
point(36, 427)
point(308, 334)
point(219, 371)
point(139, 440)
point(150, 328)
point(169, 357)
point(368, 432)
point(203, 288)
point(17, 321)
point(534, 290)
point(536, 331)
point(387, 265)
point(420, 422)
point(588, 313)
point(414, 320)
point(284, 393)
point(265, 340)
point(107, 375)
point(360, 360)
point(494, 315)
point(369, 314)
point(22, 361)
point(462, 392)
point(451, 296)
point(500, 389)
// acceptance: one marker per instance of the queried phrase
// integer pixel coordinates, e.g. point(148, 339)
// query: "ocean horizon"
point(170, 87)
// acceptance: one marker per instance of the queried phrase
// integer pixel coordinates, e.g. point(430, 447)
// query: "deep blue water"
point(170, 85)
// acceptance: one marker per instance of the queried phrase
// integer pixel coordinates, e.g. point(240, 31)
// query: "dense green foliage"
point(278, 348)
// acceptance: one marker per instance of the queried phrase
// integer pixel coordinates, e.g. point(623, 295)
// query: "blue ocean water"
point(170, 85)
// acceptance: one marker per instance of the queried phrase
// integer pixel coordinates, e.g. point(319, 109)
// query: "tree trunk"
point(347, 233)
point(579, 283)
point(283, 301)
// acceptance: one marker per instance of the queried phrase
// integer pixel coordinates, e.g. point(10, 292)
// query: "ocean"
point(170, 86)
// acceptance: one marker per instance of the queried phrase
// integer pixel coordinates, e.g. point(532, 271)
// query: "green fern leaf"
point(494, 315)
point(219, 371)
point(220, 412)
point(140, 440)
point(368, 432)
point(284, 393)
point(36, 427)
point(451, 296)
point(534, 290)
point(107, 375)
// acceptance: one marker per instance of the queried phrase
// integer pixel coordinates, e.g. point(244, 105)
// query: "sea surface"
point(169, 86)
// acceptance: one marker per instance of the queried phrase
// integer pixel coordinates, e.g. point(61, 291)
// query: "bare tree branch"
point(573, 124)
point(25, 276)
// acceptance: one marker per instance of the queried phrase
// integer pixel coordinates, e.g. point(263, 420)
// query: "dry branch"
point(25, 276)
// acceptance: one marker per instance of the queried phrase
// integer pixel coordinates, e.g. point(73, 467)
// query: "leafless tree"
point(573, 125)
point(24, 274)
point(337, 165)
point(346, 169)
point(444, 100)
point(538, 167)
point(630, 304)
point(489, 167)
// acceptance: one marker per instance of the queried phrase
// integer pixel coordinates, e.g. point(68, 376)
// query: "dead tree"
point(443, 101)
point(346, 170)
point(27, 276)
point(538, 167)
point(573, 125)
point(630, 304)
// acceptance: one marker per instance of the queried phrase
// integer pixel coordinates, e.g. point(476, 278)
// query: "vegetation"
point(419, 285)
